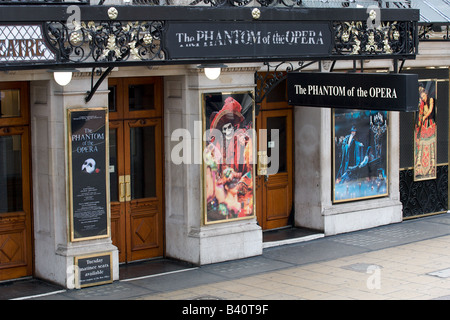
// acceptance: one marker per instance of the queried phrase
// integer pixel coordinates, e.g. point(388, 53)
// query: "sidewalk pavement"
point(403, 261)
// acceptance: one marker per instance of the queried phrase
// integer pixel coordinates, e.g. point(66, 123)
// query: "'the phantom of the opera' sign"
point(366, 91)
point(186, 40)
point(23, 43)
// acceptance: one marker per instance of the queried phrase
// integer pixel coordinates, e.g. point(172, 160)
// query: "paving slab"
point(412, 258)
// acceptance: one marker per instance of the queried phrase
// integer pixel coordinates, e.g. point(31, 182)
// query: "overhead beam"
point(41, 13)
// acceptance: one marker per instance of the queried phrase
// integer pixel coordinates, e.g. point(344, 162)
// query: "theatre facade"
point(310, 124)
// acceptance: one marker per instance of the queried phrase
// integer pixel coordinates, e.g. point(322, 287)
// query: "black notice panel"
point(366, 91)
point(94, 270)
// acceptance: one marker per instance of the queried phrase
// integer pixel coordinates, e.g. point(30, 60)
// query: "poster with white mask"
point(89, 200)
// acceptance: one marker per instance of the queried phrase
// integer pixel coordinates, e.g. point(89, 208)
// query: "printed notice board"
point(89, 184)
point(93, 270)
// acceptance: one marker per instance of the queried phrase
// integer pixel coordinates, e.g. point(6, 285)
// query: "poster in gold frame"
point(360, 154)
point(425, 132)
point(228, 169)
point(88, 155)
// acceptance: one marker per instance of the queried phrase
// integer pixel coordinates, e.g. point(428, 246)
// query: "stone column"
point(54, 253)
point(187, 238)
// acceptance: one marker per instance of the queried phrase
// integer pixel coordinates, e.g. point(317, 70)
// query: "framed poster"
point(425, 132)
point(228, 156)
point(88, 173)
point(360, 154)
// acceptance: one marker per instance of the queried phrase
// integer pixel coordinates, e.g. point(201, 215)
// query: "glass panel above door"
point(276, 133)
point(112, 98)
point(141, 97)
point(9, 103)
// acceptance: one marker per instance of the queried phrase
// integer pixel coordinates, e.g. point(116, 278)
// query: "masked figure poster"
point(425, 133)
point(360, 154)
point(228, 162)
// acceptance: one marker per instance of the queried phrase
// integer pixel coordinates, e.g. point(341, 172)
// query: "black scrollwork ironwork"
point(267, 81)
point(353, 38)
point(424, 197)
point(118, 41)
point(105, 41)
point(434, 32)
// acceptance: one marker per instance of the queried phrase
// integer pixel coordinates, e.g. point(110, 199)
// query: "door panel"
point(136, 166)
point(15, 208)
point(116, 169)
point(145, 208)
point(274, 191)
point(277, 191)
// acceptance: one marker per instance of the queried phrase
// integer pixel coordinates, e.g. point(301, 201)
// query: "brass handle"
point(124, 188)
point(121, 188)
point(262, 163)
point(128, 188)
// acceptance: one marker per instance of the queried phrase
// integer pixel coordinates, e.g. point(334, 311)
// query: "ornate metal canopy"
point(67, 35)
point(105, 36)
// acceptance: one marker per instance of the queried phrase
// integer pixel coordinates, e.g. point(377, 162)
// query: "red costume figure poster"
point(425, 139)
point(228, 156)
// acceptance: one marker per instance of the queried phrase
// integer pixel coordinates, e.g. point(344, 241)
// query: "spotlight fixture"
point(62, 76)
point(212, 71)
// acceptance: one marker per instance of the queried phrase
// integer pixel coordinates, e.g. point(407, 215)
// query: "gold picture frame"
point(88, 212)
point(425, 132)
point(228, 186)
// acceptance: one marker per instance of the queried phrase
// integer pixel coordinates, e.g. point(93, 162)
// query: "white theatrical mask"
point(228, 131)
point(88, 165)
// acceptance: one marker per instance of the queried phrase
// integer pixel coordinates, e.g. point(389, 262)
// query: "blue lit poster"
point(360, 154)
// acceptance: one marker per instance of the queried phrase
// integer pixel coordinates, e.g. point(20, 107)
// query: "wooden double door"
point(15, 185)
point(136, 167)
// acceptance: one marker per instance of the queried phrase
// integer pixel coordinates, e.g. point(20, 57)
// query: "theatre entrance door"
point(274, 191)
point(136, 167)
